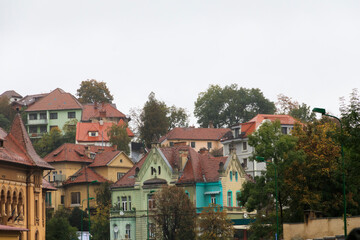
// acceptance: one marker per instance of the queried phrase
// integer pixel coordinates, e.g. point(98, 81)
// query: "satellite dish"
point(116, 229)
point(245, 215)
point(121, 213)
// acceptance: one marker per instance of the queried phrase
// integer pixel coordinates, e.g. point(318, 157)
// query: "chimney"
point(211, 124)
point(87, 151)
point(221, 167)
point(183, 157)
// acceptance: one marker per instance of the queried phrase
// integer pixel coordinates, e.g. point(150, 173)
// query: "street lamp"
point(262, 159)
point(82, 214)
point(88, 204)
point(323, 112)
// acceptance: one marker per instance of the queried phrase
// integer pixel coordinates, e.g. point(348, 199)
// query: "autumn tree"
point(177, 117)
point(92, 91)
point(302, 112)
point(118, 136)
point(214, 224)
point(154, 121)
point(174, 215)
point(227, 106)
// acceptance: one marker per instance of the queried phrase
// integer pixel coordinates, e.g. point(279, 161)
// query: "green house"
point(53, 110)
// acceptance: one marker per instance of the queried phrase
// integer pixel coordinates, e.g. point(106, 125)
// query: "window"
point(48, 198)
point(119, 175)
point(238, 202)
point(171, 144)
point(284, 130)
point(62, 199)
point(42, 115)
point(159, 170)
point(152, 230)
point(236, 132)
point(245, 162)
point(32, 129)
point(32, 116)
point(209, 145)
point(231, 176)
point(244, 146)
point(75, 198)
point(124, 203)
point(229, 199)
point(71, 114)
point(43, 129)
point(213, 198)
point(54, 126)
point(187, 193)
point(236, 176)
point(128, 231)
point(151, 202)
point(36, 209)
point(54, 175)
point(129, 202)
point(93, 134)
point(193, 144)
point(53, 115)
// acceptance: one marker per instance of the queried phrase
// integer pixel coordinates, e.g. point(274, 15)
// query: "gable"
point(233, 165)
point(121, 160)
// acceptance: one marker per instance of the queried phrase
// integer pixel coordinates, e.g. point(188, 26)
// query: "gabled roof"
point(284, 119)
point(214, 134)
point(199, 167)
point(30, 99)
point(70, 152)
point(104, 158)
point(84, 175)
point(48, 186)
point(18, 148)
point(83, 129)
point(95, 110)
point(56, 100)
point(10, 93)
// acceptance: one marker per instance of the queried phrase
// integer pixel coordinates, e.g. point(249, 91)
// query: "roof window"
point(93, 134)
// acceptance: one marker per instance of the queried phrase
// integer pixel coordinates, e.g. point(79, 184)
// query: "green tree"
point(103, 194)
point(118, 136)
point(92, 91)
point(4, 122)
point(174, 214)
point(7, 113)
point(69, 130)
point(177, 117)
point(285, 105)
point(154, 121)
point(227, 106)
point(59, 228)
point(214, 224)
point(49, 142)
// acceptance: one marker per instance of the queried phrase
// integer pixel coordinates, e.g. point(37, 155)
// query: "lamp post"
point(88, 204)
point(262, 159)
point(82, 214)
point(323, 112)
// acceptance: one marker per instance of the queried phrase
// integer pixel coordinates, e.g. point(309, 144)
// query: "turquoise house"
point(205, 179)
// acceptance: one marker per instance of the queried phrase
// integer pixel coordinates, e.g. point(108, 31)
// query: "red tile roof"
point(10, 93)
point(10, 228)
point(84, 175)
point(83, 129)
point(199, 167)
point(95, 110)
point(70, 152)
point(104, 158)
point(48, 186)
point(56, 100)
point(30, 99)
point(3, 134)
point(214, 134)
point(284, 119)
point(18, 148)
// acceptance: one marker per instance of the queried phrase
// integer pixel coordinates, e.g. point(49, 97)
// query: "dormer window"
point(93, 134)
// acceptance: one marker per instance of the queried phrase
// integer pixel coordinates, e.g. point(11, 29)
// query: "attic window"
point(93, 134)
point(1, 143)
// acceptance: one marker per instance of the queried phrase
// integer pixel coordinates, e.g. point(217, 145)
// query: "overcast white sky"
point(307, 50)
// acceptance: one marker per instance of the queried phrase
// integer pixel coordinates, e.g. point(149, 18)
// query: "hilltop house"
point(205, 179)
point(79, 169)
point(53, 110)
point(22, 189)
point(105, 112)
point(11, 95)
point(197, 138)
point(240, 137)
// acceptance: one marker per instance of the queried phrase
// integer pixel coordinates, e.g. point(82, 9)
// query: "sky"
point(308, 50)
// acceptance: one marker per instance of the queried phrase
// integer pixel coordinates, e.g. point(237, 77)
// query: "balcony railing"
point(36, 135)
point(37, 122)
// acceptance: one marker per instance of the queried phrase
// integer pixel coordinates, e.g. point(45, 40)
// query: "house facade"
point(76, 167)
point(22, 189)
point(197, 138)
point(11, 95)
point(204, 178)
point(239, 138)
point(51, 111)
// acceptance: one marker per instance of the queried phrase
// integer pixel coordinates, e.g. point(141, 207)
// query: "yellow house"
point(72, 160)
point(197, 138)
point(22, 192)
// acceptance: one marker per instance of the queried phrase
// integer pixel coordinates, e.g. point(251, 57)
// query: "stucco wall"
point(318, 228)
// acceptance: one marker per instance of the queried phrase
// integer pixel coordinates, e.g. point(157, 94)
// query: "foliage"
point(154, 122)
point(177, 117)
point(49, 142)
point(69, 130)
point(214, 224)
point(103, 194)
point(7, 113)
point(217, 152)
point(100, 229)
point(174, 214)
point(59, 228)
point(118, 136)
point(285, 105)
point(227, 106)
point(4, 122)
point(75, 219)
point(92, 91)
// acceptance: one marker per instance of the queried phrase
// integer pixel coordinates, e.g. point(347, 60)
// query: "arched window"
point(128, 231)
point(230, 175)
point(236, 176)
point(116, 232)
point(229, 199)
point(238, 202)
point(159, 170)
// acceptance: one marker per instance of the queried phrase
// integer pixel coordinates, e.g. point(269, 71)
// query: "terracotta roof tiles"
point(10, 93)
point(84, 175)
point(195, 134)
point(96, 110)
point(104, 158)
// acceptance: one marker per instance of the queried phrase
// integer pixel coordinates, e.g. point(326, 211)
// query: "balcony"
point(37, 122)
point(36, 135)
